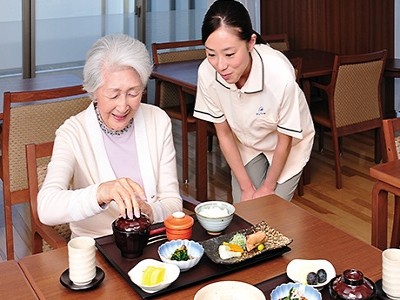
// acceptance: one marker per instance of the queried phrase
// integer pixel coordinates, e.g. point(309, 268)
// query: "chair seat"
point(320, 113)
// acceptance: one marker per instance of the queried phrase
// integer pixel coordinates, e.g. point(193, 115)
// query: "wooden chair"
point(391, 133)
point(278, 41)
point(31, 117)
point(167, 95)
point(354, 102)
point(44, 237)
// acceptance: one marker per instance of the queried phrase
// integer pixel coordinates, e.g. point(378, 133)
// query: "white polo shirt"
point(269, 101)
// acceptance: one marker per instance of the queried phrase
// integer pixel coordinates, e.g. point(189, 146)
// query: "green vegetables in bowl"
point(180, 254)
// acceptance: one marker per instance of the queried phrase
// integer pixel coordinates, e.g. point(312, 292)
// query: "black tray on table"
point(204, 270)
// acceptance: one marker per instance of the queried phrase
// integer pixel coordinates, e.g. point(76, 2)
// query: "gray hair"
point(113, 52)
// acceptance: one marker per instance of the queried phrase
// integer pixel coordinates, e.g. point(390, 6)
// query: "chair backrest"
point(31, 117)
point(166, 94)
point(355, 90)
point(278, 41)
point(391, 133)
point(44, 237)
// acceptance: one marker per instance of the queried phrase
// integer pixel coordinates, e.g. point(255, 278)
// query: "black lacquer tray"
point(204, 270)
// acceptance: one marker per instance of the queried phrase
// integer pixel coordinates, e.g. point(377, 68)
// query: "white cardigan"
point(79, 164)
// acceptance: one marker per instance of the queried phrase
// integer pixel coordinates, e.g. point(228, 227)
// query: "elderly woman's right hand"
point(125, 192)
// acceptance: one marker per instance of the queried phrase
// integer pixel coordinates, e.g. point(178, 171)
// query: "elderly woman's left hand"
point(129, 196)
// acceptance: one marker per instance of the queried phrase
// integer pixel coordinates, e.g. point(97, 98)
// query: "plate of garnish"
point(244, 244)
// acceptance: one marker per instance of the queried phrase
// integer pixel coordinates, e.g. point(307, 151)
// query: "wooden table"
point(392, 71)
point(13, 283)
point(36, 83)
point(316, 63)
point(388, 176)
point(312, 239)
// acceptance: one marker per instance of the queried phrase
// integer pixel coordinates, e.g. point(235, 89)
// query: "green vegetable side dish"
point(180, 254)
point(239, 239)
point(293, 295)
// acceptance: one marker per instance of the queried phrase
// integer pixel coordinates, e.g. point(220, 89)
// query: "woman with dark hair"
point(249, 91)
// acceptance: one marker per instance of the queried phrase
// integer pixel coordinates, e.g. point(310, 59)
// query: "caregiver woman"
point(249, 91)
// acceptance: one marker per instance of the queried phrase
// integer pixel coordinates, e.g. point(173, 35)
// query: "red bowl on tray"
point(352, 285)
point(131, 235)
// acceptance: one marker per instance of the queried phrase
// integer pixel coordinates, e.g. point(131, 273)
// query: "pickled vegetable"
point(153, 276)
point(233, 247)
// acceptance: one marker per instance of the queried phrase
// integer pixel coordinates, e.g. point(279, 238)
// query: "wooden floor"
point(348, 208)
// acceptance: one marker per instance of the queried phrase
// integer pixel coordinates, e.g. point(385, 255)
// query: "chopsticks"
point(157, 238)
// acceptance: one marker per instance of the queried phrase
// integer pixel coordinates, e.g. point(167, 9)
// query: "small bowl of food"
point(153, 275)
point(314, 272)
point(295, 291)
point(214, 216)
point(183, 253)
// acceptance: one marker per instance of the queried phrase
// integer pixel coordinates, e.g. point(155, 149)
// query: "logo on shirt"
point(260, 111)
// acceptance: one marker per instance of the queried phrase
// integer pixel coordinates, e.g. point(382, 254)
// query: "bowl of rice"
point(214, 216)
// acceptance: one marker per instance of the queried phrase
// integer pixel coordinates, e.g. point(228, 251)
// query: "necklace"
point(107, 130)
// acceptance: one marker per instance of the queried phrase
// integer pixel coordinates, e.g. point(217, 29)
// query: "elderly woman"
point(117, 157)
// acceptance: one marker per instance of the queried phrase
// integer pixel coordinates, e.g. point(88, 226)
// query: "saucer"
point(380, 293)
point(65, 281)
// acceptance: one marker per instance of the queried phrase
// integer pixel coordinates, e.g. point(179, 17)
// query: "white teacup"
point(82, 260)
point(391, 272)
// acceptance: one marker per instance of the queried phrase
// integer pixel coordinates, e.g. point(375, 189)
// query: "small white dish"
point(298, 269)
point(229, 290)
point(306, 291)
point(194, 250)
point(136, 273)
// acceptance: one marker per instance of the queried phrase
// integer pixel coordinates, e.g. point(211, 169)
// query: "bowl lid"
point(353, 285)
point(132, 225)
point(178, 220)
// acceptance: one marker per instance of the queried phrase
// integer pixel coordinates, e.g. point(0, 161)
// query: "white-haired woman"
point(116, 157)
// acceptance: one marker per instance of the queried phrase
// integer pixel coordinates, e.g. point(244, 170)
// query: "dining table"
point(40, 82)
point(311, 238)
point(387, 177)
point(392, 71)
point(13, 282)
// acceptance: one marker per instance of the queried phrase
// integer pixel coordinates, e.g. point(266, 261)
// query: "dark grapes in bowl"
point(317, 272)
point(316, 278)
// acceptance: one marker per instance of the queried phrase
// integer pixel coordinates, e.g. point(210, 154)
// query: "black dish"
point(379, 291)
point(276, 240)
point(65, 281)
